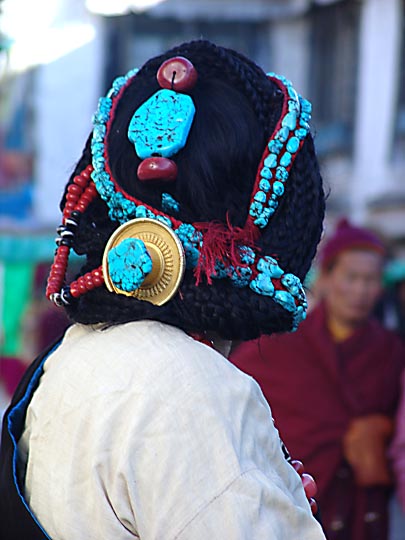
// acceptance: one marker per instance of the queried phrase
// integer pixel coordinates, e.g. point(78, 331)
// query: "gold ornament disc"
point(166, 252)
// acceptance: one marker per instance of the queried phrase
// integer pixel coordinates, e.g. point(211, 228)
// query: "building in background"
point(347, 56)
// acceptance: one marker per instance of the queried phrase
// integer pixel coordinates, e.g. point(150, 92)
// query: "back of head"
point(243, 195)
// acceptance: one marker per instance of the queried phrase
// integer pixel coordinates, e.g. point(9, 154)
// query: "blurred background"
point(58, 56)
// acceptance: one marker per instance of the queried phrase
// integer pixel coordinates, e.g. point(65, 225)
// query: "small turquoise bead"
point(260, 197)
point(293, 106)
point(266, 173)
point(272, 204)
point(290, 120)
point(285, 160)
point(261, 221)
point(301, 133)
point(306, 106)
point(286, 300)
point(292, 93)
point(293, 144)
point(278, 189)
point(283, 134)
point(306, 116)
point(275, 146)
point(304, 124)
point(264, 185)
point(281, 173)
point(255, 209)
point(271, 161)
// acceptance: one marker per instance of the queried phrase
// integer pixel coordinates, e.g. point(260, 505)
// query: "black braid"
point(208, 188)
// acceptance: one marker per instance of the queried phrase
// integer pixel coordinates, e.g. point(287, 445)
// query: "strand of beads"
point(308, 483)
point(282, 148)
point(84, 283)
point(79, 195)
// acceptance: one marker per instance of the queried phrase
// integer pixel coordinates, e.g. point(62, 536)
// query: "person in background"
point(333, 387)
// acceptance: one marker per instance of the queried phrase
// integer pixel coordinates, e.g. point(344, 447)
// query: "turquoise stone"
point(169, 204)
point(271, 161)
point(293, 106)
point(293, 144)
point(304, 124)
point(306, 106)
point(278, 188)
point(285, 159)
point(255, 209)
point(260, 197)
point(261, 221)
point(301, 133)
point(293, 284)
point(283, 133)
point(290, 120)
point(264, 185)
point(286, 300)
point(292, 93)
point(160, 126)
point(281, 173)
point(129, 263)
point(275, 146)
point(266, 173)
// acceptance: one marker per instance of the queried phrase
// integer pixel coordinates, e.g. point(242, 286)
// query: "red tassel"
point(221, 243)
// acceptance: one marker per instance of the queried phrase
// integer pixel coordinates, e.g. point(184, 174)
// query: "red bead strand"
point(308, 483)
point(88, 282)
point(76, 190)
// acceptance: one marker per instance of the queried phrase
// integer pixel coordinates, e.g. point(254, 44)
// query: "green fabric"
point(17, 291)
point(27, 247)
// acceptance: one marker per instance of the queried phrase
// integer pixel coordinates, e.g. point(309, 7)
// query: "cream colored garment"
point(140, 431)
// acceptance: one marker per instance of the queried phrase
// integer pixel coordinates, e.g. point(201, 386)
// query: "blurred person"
point(134, 425)
point(333, 387)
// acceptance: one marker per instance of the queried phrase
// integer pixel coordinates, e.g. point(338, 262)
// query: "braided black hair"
point(237, 108)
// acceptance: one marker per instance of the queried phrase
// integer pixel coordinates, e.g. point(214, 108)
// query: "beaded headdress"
point(148, 253)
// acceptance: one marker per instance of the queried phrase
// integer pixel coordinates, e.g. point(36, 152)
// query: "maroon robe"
point(315, 387)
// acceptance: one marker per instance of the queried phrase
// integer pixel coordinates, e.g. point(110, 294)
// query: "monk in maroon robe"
point(333, 388)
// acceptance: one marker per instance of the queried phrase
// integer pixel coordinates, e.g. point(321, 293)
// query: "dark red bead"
point(177, 74)
point(298, 466)
point(314, 505)
point(74, 289)
point(80, 181)
point(74, 188)
point(157, 168)
point(309, 485)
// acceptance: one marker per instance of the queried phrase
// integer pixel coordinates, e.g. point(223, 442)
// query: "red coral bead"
point(298, 466)
point(309, 485)
point(74, 188)
point(314, 505)
point(74, 290)
point(178, 74)
point(157, 168)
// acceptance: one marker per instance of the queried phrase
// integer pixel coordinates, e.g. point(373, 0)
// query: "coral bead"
point(314, 506)
point(298, 466)
point(177, 74)
point(309, 485)
point(157, 168)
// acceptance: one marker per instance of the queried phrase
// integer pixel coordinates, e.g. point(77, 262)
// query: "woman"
point(198, 204)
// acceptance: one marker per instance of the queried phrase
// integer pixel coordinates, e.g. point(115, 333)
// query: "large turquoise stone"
point(160, 126)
